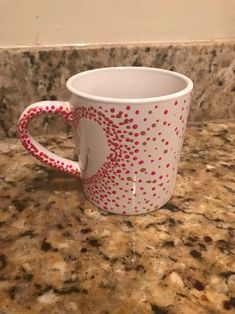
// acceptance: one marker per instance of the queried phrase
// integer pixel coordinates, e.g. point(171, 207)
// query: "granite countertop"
point(28, 75)
point(59, 254)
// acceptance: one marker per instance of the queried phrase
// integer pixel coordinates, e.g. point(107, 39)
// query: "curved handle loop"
point(63, 109)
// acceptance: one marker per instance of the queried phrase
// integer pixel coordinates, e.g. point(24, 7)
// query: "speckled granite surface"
point(30, 75)
point(59, 254)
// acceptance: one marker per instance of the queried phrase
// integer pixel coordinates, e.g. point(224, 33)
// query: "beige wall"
point(59, 22)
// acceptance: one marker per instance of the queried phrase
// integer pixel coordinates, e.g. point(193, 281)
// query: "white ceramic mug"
point(128, 124)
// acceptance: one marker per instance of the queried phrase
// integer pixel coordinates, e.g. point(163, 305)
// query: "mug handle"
point(61, 108)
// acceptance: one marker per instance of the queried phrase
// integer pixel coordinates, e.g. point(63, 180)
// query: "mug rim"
point(184, 91)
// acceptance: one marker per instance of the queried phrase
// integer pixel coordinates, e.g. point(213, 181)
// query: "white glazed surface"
point(147, 141)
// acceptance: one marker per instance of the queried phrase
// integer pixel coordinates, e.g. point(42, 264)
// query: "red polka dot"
point(123, 152)
point(165, 111)
point(160, 177)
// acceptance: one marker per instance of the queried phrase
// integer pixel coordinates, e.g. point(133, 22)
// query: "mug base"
point(126, 212)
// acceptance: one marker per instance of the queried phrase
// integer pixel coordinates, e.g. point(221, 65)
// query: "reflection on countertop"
point(59, 254)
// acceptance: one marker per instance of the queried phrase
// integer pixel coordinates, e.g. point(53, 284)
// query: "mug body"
point(129, 124)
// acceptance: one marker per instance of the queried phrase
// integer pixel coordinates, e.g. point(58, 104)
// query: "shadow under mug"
point(128, 125)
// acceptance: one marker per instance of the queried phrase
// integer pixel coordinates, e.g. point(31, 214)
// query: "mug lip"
point(184, 91)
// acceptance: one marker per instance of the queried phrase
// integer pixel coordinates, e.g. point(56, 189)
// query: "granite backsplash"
point(28, 75)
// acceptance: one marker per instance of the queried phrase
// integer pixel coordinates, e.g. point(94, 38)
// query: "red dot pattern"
point(50, 159)
point(144, 144)
point(145, 169)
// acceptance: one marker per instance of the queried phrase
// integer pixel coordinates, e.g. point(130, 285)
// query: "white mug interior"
point(129, 84)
